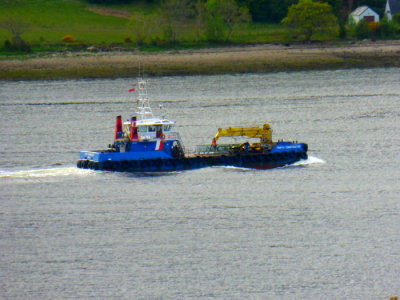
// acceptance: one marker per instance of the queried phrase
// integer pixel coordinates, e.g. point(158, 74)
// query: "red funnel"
point(118, 126)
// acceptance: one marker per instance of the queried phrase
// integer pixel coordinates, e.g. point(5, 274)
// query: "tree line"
point(214, 21)
point(273, 11)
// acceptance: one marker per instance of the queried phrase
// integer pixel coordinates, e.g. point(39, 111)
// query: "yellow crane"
point(263, 133)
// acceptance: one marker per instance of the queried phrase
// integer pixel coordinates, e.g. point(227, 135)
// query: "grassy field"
point(51, 20)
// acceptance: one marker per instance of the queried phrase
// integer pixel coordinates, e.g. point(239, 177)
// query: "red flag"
point(132, 90)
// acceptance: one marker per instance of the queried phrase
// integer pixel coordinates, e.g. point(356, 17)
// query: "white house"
point(364, 13)
point(392, 8)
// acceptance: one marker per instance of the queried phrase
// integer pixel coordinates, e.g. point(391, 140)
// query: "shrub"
point(221, 18)
point(373, 28)
point(215, 29)
point(396, 18)
point(310, 18)
point(16, 27)
point(384, 30)
point(110, 1)
point(17, 44)
point(157, 41)
point(7, 45)
point(361, 30)
point(144, 27)
point(387, 29)
point(68, 39)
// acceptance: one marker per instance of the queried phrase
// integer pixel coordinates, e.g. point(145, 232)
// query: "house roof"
point(359, 10)
point(394, 6)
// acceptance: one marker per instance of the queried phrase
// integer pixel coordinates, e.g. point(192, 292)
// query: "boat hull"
point(252, 161)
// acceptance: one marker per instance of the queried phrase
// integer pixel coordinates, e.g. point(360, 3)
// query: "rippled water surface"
point(327, 228)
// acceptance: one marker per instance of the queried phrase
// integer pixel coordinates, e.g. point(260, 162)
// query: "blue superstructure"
point(133, 150)
point(282, 147)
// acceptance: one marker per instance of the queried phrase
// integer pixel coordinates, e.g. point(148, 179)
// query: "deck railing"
point(210, 149)
point(172, 136)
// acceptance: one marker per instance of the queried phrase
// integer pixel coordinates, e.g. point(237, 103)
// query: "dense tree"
point(144, 26)
point(309, 17)
point(376, 5)
point(371, 30)
point(200, 17)
point(16, 27)
point(175, 14)
point(396, 18)
point(222, 16)
point(110, 1)
point(6, 2)
point(271, 11)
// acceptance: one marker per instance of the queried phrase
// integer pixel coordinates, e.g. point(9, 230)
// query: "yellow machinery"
point(263, 133)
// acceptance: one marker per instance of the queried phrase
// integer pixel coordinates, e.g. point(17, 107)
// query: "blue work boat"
point(146, 143)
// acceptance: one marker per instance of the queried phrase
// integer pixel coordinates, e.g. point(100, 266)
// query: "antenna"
point(143, 105)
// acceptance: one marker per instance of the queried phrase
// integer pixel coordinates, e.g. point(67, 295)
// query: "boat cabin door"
point(159, 131)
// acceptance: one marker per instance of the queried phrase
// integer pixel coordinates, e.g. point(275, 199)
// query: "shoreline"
point(235, 59)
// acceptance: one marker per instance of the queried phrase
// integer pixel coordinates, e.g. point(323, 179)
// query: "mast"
point(143, 104)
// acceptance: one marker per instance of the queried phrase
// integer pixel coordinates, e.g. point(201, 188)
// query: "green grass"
point(260, 33)
point(51, 20)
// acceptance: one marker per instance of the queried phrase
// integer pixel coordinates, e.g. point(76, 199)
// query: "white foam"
point(236, 168)
point(43, 173)
point(309, 161)
point(304, 162)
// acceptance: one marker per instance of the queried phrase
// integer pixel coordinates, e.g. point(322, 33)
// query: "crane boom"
point(263, 133)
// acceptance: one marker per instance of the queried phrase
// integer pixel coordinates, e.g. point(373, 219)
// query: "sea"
point(325, 228)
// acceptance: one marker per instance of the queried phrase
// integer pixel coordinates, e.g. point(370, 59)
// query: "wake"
point(74, 171)
point(311, 160)
point(45, 173)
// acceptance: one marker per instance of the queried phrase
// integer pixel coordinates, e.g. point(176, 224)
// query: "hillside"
point(49, 21)
point(49, 25)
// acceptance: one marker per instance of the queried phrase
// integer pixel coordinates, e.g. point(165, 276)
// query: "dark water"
point(326, 229)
